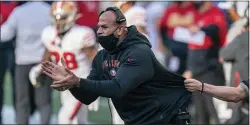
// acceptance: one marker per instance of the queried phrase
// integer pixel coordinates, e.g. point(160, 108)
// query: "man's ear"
point(120, 30)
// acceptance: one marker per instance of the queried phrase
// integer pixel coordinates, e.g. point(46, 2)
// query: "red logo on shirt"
point(112, 72)
point(130, 59)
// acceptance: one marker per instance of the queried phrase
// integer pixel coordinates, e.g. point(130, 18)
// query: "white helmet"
point(63, 15)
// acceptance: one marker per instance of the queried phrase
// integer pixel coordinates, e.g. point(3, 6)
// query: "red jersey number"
point(69, 59)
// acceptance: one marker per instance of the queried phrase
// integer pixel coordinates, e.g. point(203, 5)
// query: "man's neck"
point(122, 37)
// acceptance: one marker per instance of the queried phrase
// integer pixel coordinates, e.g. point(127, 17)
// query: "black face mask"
point(108, 42)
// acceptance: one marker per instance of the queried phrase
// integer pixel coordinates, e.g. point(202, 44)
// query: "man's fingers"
point(189, 81)
point(63, 62)
point(68, 71)
point(49, 64)
point(48, 74)
point(46, 69)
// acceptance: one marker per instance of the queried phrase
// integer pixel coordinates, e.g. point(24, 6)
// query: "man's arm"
point(231, 94)
point(225, 93)
point(136, 69)
point(8, 29)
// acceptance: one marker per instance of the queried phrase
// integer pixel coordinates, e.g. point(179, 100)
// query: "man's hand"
point(54, 71)
point(187, 74)
point(193, 85)
point(70, 81)
point(63, 77)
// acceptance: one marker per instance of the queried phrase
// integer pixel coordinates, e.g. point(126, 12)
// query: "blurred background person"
point(154, 13)
point(236, 53)
point(203, 56)
point(237, 14)
point(134, 13)
point(6, 54)
point(76, 45)
point(26, 22)
point(89, 11)
point(177, 14)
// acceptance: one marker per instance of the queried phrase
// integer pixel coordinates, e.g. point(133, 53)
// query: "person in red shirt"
point(178, 14)
point(203, 61)
point(6, 52)
point(89, 13)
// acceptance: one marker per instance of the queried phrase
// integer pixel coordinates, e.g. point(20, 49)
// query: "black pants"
point(7, 62)
point(28, 96)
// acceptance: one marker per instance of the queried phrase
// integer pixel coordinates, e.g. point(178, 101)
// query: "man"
point(26, 22)
point(76, 45)
point(154, 13)
point(126, 70)
point(6, 54)
point(238, 13)
point(179, 14)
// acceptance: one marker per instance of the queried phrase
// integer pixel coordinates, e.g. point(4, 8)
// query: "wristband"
point(202, 87)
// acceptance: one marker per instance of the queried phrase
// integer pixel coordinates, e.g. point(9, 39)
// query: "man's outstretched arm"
point(136, 69)
point(225, 93)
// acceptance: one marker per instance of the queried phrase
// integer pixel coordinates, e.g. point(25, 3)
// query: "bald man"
point(126, 70)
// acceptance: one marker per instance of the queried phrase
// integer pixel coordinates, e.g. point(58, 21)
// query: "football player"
point(76, 46)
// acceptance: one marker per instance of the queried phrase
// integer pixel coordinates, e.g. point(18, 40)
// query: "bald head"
point(108, 17)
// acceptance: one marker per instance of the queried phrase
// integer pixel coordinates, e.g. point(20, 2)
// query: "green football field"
point(102, 116)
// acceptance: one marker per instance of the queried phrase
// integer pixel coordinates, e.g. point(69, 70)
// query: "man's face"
point(107, 24)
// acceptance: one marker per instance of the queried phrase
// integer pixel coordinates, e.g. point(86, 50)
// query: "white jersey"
point(136, 15)
point(69, 47)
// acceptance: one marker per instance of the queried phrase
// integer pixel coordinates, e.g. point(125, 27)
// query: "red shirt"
point(212, 16)
point(89, 11)
point(176, 8)
point(5, 10)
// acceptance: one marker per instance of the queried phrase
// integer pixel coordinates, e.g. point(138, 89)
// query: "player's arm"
point(36, 70)
point(231, 94)
point(90, 52)
point(136, 69)
point(178, 20)
point(46, 55)
point(89, 44)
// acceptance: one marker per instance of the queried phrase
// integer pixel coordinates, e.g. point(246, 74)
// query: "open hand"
point(54, 71)
point(70, 81)
point(63, 77)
